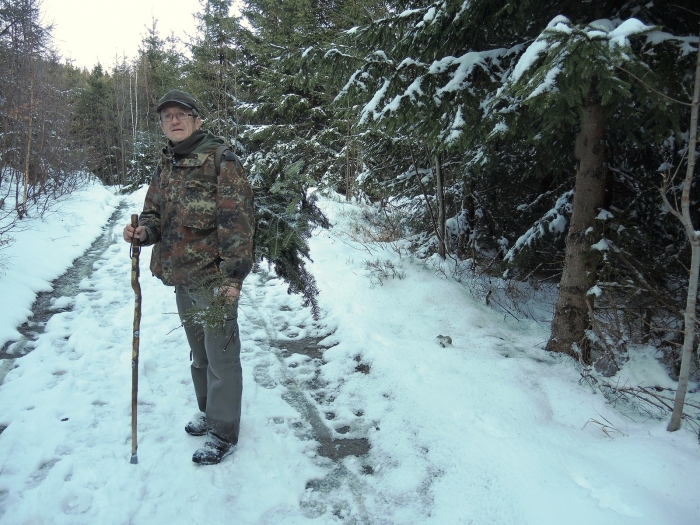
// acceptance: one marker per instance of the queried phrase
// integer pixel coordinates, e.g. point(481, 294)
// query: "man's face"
point(176, 126)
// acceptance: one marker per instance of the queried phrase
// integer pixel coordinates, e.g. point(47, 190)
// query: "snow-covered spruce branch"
point(554, 221)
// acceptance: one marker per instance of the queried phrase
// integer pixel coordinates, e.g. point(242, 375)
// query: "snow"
point(595, 290)
point(617, 36)
point(415, 89)
point(408, 12)
point(409, 62)
point(688, 44)
point(490, 429)
point(371, 107)
point(628, 28)
point(465, 66)
point(548, 84)
point(603, 25)
point(602, 245)
point(430, 15)
point(499, 128)
point(558, 224)
point(456, 128)
point(560, 24)
point(40, 255)
point(528, 58)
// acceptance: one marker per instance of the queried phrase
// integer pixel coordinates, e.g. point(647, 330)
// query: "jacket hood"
point(199, 142)
point(208, 143)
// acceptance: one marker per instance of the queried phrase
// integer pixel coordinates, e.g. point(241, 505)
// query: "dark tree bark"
point(440, 190)
point(571, 318)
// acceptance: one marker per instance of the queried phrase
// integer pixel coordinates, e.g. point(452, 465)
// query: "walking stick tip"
point(134, 459)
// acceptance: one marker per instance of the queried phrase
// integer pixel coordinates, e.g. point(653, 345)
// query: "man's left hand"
point(231, 292)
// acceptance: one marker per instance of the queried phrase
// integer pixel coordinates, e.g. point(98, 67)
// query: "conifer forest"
point(538, 146)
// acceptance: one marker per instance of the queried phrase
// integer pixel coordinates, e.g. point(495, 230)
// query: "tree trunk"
point(440, 189)
point(41, 175)
point(348, 183)
point(22, 208)
point(694, 237)
point(468, 208)
point(571, 318)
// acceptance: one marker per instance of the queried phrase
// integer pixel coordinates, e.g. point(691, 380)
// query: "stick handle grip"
point(135, 241)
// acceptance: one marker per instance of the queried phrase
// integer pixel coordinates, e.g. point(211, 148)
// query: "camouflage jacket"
point(201, 223)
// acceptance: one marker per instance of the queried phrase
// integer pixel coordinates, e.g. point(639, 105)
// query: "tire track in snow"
point(66, 285)
point(297, 351)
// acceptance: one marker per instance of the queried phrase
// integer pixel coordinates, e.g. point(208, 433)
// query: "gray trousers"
point(216, 366)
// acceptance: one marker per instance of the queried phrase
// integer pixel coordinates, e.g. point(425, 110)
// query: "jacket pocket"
point(156, 262)
point(198, 205)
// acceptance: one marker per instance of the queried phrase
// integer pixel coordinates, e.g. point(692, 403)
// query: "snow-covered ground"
point(488, 430)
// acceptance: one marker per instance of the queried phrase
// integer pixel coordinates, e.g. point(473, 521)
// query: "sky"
point(488, 429)
point(88, 31)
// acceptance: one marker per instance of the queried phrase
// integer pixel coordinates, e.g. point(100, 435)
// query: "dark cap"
point(177, 97)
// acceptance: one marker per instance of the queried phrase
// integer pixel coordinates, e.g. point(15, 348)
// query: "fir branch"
point(219, 309)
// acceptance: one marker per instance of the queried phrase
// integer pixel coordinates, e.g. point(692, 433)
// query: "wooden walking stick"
point(134, 252)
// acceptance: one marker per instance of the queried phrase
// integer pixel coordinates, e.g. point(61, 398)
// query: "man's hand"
point(140, 232)
point(231, 292)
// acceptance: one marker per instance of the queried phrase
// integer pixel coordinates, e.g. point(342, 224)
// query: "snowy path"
point(62, 288)
point(69, 459)
point(360, 418)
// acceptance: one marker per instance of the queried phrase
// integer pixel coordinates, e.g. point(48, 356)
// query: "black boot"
point(214, 450)
point(198, 426)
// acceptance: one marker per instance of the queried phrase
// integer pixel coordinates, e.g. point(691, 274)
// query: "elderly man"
point(198, 214)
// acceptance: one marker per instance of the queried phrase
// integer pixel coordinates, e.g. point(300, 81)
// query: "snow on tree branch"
point(554, 221)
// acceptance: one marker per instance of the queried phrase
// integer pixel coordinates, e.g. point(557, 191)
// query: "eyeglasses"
point(181, 116)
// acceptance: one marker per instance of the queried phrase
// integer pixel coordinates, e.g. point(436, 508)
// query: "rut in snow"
point(67, 285)
point(298, 353)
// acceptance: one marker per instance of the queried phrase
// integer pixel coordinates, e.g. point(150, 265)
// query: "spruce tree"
point(156, 70)
point(259, 107)
point(95, 127)
point(419, 76)
point(583, 76)
point(212, 74)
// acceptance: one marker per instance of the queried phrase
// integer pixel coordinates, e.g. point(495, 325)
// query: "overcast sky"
point(88, 31)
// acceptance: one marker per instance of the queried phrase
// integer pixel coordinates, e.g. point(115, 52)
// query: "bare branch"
point(425, 194)
point(696, 13)
point(652, 89)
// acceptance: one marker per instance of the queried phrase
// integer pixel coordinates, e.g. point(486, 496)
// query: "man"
point(198, 214)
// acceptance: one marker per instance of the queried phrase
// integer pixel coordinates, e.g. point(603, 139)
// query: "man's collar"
point(187, 146)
